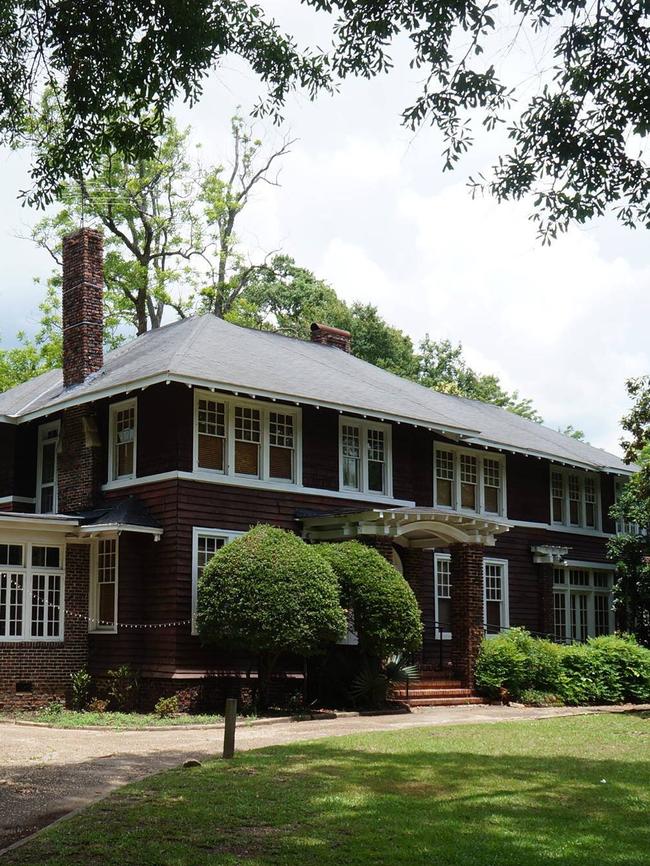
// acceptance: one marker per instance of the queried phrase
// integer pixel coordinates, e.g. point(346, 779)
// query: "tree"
point(386, 614)
point(573, 432)
point(268, 592)
point(630, 548)
point(576, 143)
point(168, 223)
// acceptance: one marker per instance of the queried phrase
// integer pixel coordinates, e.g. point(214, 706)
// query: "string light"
point(135, 625)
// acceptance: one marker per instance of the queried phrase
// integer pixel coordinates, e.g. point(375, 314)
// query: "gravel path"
point(46, 773)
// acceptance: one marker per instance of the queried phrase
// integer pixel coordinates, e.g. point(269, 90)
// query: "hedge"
point(604, 670)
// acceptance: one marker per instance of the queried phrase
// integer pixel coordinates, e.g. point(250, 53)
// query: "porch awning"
point(408, 527)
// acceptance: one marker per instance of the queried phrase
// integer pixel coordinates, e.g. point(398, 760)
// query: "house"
point(121, 476)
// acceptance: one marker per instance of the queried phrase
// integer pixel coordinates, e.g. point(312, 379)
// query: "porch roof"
point(408, 527)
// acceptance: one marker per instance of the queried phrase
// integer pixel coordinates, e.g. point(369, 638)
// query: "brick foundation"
point(46, 667)
point(466, 608)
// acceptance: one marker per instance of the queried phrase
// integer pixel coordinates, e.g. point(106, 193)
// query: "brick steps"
point(417, 692)
point(443, 702)
point(436, 688)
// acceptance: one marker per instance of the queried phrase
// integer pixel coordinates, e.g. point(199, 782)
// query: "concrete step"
point(443, 702)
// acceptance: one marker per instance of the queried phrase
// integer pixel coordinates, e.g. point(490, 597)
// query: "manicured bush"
point(166, 708)
point(604, 670)
point(269, 592)
point(535, 698)
point(386, 614)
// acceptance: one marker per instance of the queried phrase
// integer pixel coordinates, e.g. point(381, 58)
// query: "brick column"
point(466, 608)
point(382, 544)
point(80, 461)
point(545, 594)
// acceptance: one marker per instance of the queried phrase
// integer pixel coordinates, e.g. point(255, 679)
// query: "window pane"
point(574, 499)
point(38, 605)
point(207, 547)
point(106, 579)
point(48, 462)
point(443, 593)
point(557, 493)
point(211, 452)
point(559, 615)
point(280, 462)
point(246, 458)
point(375, 476)
point(443, 493)
point(11, 554)
point(124, 442)
point(579, 616)
point(444, 478)
point(601, 613)
point(281, 445)
point(468, 479)
point(13, 603)
point(493, 617)
point(376, 459)
point(106, 612)
point(47, 500)
point(46, 557)
point(351, 451)
point(491, 484)
point(444, 614)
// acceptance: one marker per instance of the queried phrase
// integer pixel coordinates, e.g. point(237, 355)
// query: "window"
point(122, 440)
point(246, 439)
point(365, 456)
point(442, 576)
point(496, 617)
point(575, 498)
point(103, 597)
point(582, 603)
point(495, 595)
point(46, 472)
point(31, 592)
point(205, 543)
point(469, 481)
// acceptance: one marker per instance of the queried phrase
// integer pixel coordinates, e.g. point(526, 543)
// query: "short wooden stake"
point(229, 730)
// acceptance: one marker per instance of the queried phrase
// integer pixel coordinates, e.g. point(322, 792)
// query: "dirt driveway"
point(46, 773)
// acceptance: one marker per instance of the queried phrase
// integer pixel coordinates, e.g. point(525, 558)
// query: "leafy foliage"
point(372, 686)
point(123, 686)
point(386, 614)
point(166, 708)
point(269, 592)
point(80, 682)
point(604, 670)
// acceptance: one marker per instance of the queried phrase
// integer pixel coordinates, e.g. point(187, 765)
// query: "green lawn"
point(74, 719)
point(563, 791)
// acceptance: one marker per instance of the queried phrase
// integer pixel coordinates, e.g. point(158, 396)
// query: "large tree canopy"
point(576, 142)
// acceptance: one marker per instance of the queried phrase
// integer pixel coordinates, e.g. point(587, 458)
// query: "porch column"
point(466, 608)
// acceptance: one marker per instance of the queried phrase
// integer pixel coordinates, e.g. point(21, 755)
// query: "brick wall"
point(80, 462)
point(466, 608)
point(46, 667)
point(82, 305)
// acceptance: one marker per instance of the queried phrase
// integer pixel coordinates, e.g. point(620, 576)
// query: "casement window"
point(582, 603)
point(31, 592)
point(46, 468)
point(365, 457)
point(469, 481)
point(246, 439)
point(103, 594)
point(205, 543)
point(575, 498)
point(496, 615)
point(122, 446)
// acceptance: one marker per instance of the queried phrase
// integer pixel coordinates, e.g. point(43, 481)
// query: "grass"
point(566, 791)
point(74, 719)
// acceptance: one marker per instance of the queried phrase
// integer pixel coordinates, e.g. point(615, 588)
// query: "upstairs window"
point(46, 471)
point(122, 440)
point(246, 439)
point(575, 498)
point(365, 456)
point(469, 481)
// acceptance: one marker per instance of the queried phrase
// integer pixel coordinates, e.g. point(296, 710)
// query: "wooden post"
point(229, 730)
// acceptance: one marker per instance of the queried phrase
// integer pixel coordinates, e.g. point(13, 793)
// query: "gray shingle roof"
point(206, 350)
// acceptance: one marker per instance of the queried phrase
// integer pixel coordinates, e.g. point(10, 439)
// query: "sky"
point(365, 204)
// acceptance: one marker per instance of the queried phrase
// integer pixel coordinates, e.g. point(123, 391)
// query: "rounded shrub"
point(386, 613)
point(269, 592)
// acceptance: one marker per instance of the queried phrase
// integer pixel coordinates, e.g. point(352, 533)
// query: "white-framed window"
point(365, 456)
point(46, 468)
point(247, 438)
point(495, 596)
point(205, 543)
point(496, 615)
point(582, 603)
point(122, 440)
point(466, 480)
point(575, 498)
point(103, 590)
point(32, 578)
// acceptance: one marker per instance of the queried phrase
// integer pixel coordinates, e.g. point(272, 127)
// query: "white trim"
point(23, 500)
point(582, 475)
point(439, 557)
point(560, 529)
point(265, 410)
point(228, 535)
point(93, 594)
point(43, 430)
point(113, 528)
point(592, 566)
point(216, 478)
point(505, 594)
point(114, 408)
point(480, 456)
point(28, 571)
point(62, 524)
point(567, 589)
point(364, 426)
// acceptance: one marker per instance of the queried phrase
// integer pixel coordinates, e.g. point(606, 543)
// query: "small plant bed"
point(569, 791)
point(84, 719)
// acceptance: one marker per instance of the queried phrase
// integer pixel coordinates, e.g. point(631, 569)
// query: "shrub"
point(604, 670)
point(52, 710)
point(81, 681)
point(536, 698)
point(269, 592)
point(123, 683)
point(373, 684)
point(166, 708)
point(97, 705)
point(386, 614)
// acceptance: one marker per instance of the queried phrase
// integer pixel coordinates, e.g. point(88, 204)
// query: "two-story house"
point(120, 477)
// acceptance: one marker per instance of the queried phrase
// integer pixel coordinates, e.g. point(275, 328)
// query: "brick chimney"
point(82, 308)
point(331, 337)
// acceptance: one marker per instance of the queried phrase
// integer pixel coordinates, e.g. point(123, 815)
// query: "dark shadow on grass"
point(321, 804)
